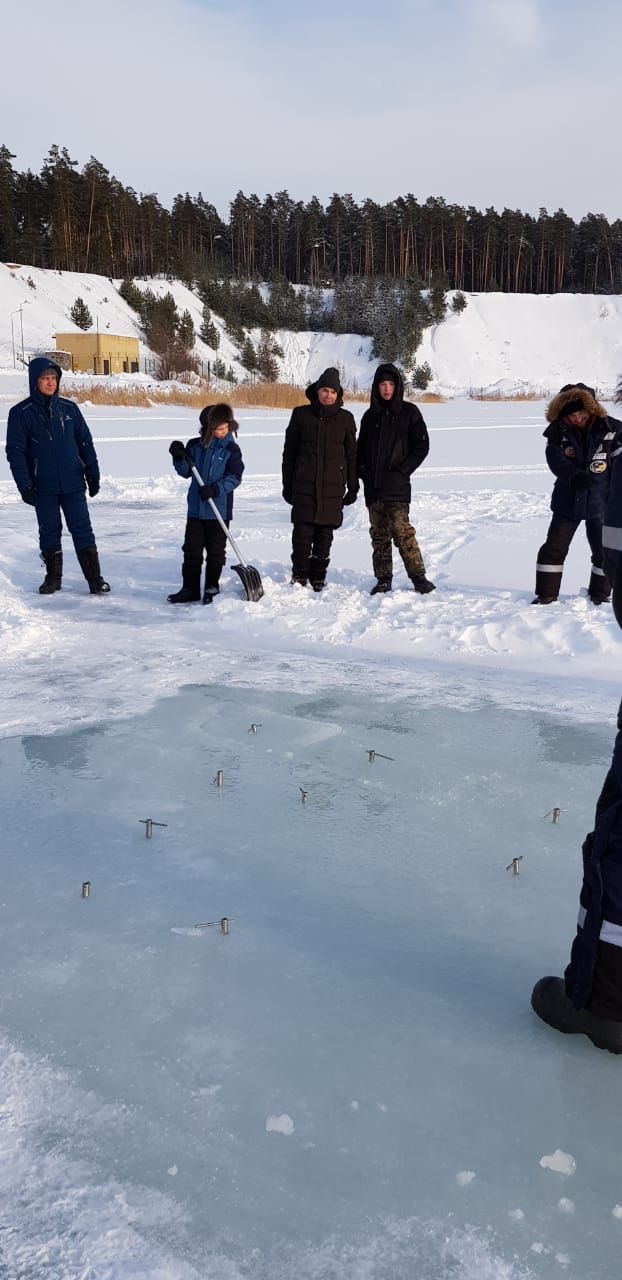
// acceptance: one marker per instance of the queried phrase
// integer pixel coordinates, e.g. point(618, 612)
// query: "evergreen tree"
point(7, 206)
point(81, 315)
point(219, 369)
point(131, 294)
point(185, 330)
point(208, 332)
point(421, 376)
point(267, 351)
point(248, 356)
point(438, 298)
point(458, 302)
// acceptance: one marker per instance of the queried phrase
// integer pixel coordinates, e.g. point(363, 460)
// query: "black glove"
point(177, 450)
point(29, 496)
point(93, 487)
point(208, 491)
point(351, 496)
point(582, 480)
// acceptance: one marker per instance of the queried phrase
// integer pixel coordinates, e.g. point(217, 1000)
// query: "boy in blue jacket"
point(52, 457)
point(218, 460)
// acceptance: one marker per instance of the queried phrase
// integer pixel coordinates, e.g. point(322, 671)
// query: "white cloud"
point(518, 23)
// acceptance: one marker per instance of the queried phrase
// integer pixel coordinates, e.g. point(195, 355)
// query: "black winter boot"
point(599, 589)
point(548, 583)
point(423, 584)
point(191, 587)
point(210, 593)
point(550, 1002)
point(382, 585)
point(53, 561)
point(89, 564)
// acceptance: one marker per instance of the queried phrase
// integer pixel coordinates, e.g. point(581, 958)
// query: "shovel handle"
point(227, 532)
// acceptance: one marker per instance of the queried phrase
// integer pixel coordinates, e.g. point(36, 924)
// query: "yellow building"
point(94, 352)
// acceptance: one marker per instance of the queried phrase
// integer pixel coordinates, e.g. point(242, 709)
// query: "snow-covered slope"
point(502, 342)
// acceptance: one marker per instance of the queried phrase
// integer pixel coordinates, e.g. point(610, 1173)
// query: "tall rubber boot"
point(53, 561)
point(548, 583)
point(599, 589)
point(191, 587)
point(89, 564)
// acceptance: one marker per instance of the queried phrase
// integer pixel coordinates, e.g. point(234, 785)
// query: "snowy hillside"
point(502, 342)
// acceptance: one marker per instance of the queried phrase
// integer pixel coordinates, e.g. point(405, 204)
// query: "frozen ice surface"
point(379, 954)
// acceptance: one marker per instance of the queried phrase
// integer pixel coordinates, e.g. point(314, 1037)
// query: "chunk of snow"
point(465, 1177)
point(565, 1205)
point(559, 1162)
point(280, 1124)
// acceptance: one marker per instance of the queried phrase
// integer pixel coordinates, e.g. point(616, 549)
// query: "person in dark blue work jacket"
point(581, 439)
point(588, 999)
point(218, 460)
point(51, 455)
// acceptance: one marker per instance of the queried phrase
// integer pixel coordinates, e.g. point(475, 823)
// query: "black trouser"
point(552, 555)
point(208, 535)
point(311, 544)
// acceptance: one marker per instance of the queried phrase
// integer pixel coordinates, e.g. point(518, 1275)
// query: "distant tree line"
point(72, 220)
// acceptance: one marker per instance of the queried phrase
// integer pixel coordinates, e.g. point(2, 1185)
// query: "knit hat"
point(574, 406)
point(216, 415)
point(329, 378)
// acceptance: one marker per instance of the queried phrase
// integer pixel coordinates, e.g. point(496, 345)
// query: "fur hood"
point(572, 392)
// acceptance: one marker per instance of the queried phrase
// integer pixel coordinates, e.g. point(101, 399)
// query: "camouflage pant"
point(389, 520)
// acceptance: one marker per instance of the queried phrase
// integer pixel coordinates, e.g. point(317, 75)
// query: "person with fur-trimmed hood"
point(581, 439)
point(52, 457)
point(393, 442)
point(319, 475)
point(588, 999)
point(218, 460)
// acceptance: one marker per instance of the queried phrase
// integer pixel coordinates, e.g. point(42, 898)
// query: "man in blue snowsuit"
point(580, 441)
point(588, 1000)
point(51, 455)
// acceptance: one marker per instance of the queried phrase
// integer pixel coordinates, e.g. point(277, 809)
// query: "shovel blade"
point(250, 579)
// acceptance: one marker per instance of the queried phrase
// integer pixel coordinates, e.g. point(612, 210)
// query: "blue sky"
point(502, 102)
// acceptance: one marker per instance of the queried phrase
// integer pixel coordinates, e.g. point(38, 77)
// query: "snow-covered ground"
point(501, 343)
point(481, 510)
point(351, 1085)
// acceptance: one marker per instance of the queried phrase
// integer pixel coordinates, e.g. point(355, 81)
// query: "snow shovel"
point(249, 575)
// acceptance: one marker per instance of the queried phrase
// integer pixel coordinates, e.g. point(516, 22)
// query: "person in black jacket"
point(52, 457)
point(580, 439)
point(392, 443)
point(319, 475)
point(588, 999)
